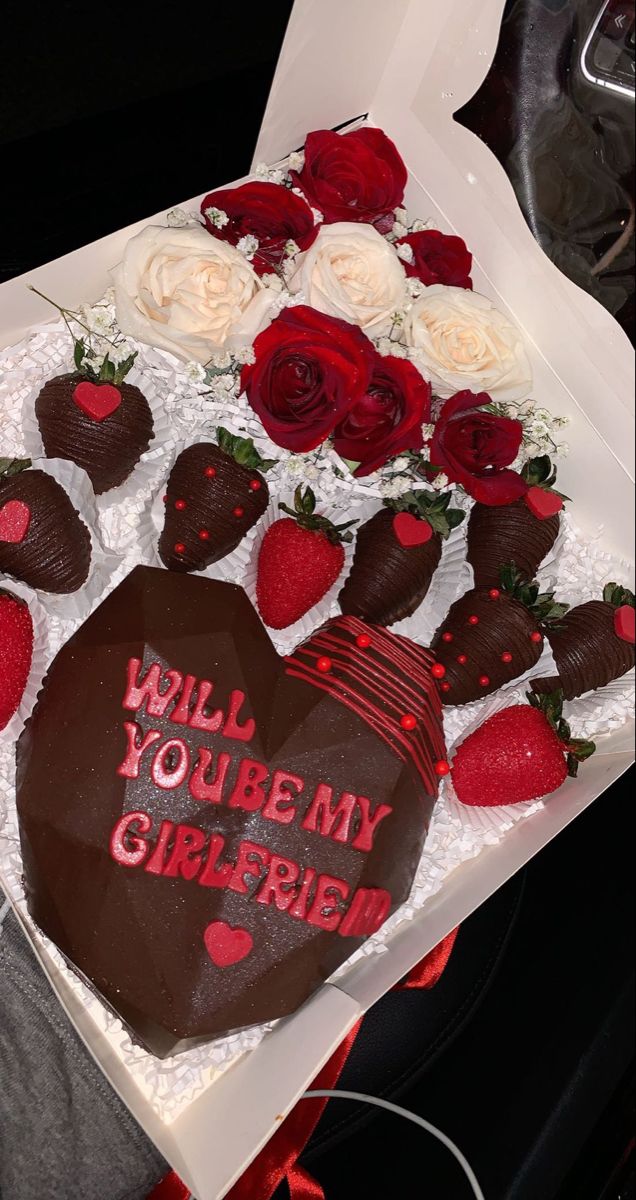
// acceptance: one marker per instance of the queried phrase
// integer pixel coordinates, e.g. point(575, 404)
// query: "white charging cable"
point(408, 1116)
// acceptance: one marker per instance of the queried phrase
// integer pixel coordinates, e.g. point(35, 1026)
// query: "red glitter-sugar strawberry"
point(16, 653)
point(520, 754)
point(301, 556)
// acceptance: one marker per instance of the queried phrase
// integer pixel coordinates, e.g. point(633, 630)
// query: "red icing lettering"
point(279, 806)
point(201, 718)
point(330, 822)
point(278, 888)
point(368, 823)
point(369, 910)
point(251, 861)
point(200, 788)
point(185, 858)
point(324, 912)
point(148, 689)
point(248, 791)
point(181, 712)
point(170, 764)
point(301, 904)
point(213, 875)
point(125, 848)
point(129, 768)
point(232, 729)
point(155, 863)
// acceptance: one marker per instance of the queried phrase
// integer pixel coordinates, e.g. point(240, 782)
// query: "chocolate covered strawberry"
point(16, 653)
point(397, 553)
point(592, 645)
point(491, 636)
point(523, 532)
point(91, 416)
point(301, 556)
point(215, 494)
point(43, 540)
point(521, 753)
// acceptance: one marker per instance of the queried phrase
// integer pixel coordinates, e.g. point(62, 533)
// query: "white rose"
point(189, 293)
point(463, 342)
point(353, 273)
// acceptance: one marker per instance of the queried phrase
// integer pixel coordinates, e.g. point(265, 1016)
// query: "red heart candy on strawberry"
point(225, 945)
point(543, 504)
point(15, 518)
point(97, 400)
point(625, 623)
point(410, 530)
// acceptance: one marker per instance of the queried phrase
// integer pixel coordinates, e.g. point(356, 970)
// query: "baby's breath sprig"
point(100, 353)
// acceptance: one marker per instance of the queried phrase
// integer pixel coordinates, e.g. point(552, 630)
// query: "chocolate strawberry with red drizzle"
point(397, 553)
point(215, 494)
point(523, 532)
point(491, 636)
point(43, 540)
point(592, 645)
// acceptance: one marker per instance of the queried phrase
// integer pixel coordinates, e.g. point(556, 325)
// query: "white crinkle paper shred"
point(190, 412)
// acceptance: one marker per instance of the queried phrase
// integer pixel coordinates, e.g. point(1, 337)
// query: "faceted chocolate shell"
point(108, 447)
point(498, 535)
point(488, 639)
point(206, 851)
point(587, 651)
point(211, 503)
point(50, 547)
point(388, 581)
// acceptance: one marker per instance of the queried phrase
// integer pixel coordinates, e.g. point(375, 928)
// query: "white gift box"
point(407, 66)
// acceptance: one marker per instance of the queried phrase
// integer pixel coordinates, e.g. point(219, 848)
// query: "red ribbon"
point(278, 1160)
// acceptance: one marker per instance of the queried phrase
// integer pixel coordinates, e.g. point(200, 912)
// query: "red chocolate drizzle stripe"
point(379, 724)
point(374, 683)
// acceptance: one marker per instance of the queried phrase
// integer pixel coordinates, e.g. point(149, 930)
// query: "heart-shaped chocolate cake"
point(209, 830)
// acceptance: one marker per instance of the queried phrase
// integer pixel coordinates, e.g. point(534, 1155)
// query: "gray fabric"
point(64, 1134)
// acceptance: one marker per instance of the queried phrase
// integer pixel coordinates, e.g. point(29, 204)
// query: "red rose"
point(438, 258)
point(473, 448)
point(265, 211)
point(389, 417)
point(309, 371)
point(356, 176)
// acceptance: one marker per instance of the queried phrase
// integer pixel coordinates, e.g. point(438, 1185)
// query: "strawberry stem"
point(429, 506)
point(304, 512)
point(576, 749)
point(13, 466)
point(618, 596)
point(542, 605)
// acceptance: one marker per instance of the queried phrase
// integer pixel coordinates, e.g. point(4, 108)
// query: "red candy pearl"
point(408, 721)
point(255, 485)
point(324, 665)
point(239, 512)
point(494, 594)
point(484, 680)
point(446, 687)
point(438, 671)
point(179, 548)
point(363, 641)
point(210, 472)
point(507, 657)
point(462, 659)
point(204, 534)
point(448, 637)
point(473, 620)
point(536, 637)
point(180, 505)
point(165, 499)
point(442, 768)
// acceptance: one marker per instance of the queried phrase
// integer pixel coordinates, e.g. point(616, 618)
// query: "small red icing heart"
point(625, 623)
point(225, 945)
point(410, 530)
point(543, 504)
point(97, 400)
point(15, 518)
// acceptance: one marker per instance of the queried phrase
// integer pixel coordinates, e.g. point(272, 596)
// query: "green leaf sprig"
point(242, 450)
point(544, 607)
point(578, 750)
